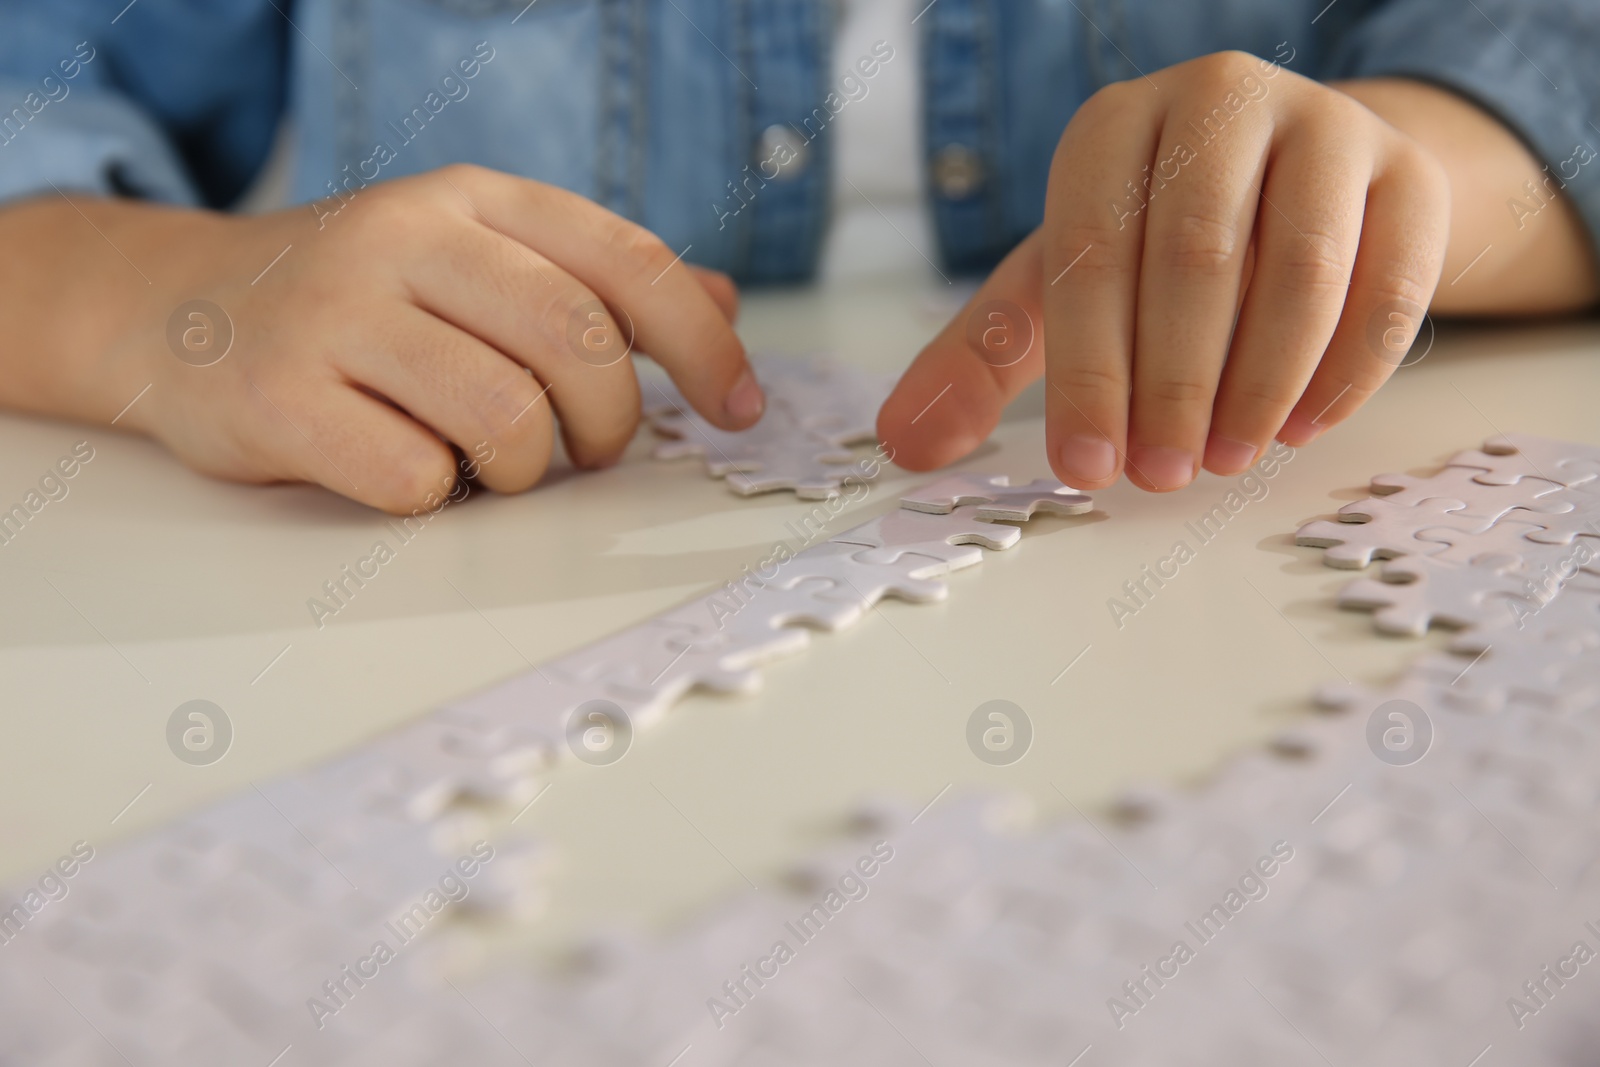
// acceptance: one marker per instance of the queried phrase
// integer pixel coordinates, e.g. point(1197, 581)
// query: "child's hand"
point(461, 307)
point(1271, 198)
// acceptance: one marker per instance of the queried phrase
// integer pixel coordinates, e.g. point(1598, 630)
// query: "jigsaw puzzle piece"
point(837, 401)
point(1581, 519)
point(816, 409)
point(455, 760)
point(811, 474)
point(1475, 502)
point(1557, 671)
point(823, 588)
point(619, 668)
point(1506, 539)
point(1452, 507)
point(951, 537)
point(996, 498)
point(1418, 591)
point(908, 577)
point(1374, 531)
point(1511, 458)
point(726, 633)
point(726, 451)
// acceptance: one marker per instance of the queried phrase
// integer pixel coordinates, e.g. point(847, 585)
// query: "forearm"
point(82, 280)
point(1502, 259)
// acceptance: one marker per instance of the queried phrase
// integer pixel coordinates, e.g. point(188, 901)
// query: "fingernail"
point(745, 401)
point(1087, 457)
point(1227, 456)
point(1299, 430)
point(1161, 466)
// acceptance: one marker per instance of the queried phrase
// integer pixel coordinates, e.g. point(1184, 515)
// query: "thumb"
point(953, 393)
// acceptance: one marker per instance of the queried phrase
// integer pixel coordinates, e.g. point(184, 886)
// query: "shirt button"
point(780, 153)
point(957, 171)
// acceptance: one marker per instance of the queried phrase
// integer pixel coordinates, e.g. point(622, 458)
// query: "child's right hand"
point(459, 307)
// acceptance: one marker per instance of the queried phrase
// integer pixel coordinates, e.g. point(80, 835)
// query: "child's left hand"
point(1229, 252)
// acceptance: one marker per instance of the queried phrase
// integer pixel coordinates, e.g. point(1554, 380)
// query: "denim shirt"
point(705, 120)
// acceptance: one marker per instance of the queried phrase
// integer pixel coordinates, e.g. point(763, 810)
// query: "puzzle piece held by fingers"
point(951, 536)
point(816, 410)
point(996, 498)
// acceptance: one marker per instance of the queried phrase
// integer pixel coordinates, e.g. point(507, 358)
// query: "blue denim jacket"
point(705, 120)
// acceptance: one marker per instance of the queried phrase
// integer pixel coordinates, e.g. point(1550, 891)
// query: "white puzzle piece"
point(816, 410)
point(1510, 459)
point(996, 498)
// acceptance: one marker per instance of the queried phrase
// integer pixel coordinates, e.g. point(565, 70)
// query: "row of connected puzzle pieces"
point(212, 940)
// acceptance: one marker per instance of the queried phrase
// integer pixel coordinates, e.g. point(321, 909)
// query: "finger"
point(518, 303)
point(1200, 221)
point(1308, 230)
point(467, 393)
point(355, 445)
point(1093, 232)
point(953, 393)
point(675, 319)
point(720, 288)
point(1403, 237)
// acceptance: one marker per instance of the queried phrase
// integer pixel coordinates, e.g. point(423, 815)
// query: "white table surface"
point(150, 585)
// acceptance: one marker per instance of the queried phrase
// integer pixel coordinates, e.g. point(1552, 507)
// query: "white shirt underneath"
point(879, 224)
